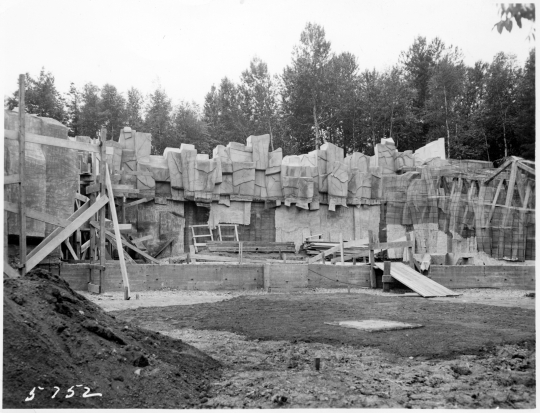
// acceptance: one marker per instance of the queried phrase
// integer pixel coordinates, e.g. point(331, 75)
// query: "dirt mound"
point(55, 337)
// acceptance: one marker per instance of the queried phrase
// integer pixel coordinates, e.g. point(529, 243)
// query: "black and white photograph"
point(268, 204)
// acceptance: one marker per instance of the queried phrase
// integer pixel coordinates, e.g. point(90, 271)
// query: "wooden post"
point(118, 237)
point(410, 239)
point(372, 260)
point(503, 232)
point(123, 210)
point(102, 163)
point(341, 247)
point(387, 278)
point(323, 259)
point(92, 241)
point(22, 178)
point(240, 252)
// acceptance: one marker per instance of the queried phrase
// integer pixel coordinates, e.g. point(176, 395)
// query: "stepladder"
point(195, 236)
point(234, 236)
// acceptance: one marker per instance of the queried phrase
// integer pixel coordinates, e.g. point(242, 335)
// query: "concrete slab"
point(375, 325)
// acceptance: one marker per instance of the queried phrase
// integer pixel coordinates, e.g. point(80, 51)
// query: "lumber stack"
point(250, 246)
point(315, 247)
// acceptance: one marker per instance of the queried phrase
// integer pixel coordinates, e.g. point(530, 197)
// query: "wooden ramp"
point(416, 281)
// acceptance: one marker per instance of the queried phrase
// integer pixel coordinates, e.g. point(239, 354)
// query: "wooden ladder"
point(200, 244)
point(234, 236)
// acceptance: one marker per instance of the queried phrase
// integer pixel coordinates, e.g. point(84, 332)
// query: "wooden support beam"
point(498, 171)
point(12, 179)
point(373, 279)
point(526, 168)
point(109, 225)
point(63, 233)
point(81, 197)
point(101, 218)
point(53, 234)
point(92, 189)
point(139, 201)
point(22, 160)
point(85, 246)
point(341, 247)
point(38, 215)
point(410, 240)
point(118, 237)
point(132, 247)
point(511, 185)
point(70, 249)
point(10, 271)
point(163, 247)
point(387, 278)
point(494, 203)
point(51, 141)
point(141, 239)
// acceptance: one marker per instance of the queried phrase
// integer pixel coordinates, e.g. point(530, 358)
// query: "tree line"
point(485, 111)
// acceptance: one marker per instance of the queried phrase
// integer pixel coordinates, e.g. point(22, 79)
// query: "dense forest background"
point(485, 111)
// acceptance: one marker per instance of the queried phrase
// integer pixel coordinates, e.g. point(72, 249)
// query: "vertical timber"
point(22, 194)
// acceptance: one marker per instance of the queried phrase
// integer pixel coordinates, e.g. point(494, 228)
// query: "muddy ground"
point(467, 355)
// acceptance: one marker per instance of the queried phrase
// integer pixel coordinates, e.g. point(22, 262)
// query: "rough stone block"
point(260, 145)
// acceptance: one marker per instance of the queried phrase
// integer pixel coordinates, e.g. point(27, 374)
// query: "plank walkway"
point(423, 285)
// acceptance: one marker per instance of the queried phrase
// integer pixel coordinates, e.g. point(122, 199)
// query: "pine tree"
point(158, 121)
point(41, 97)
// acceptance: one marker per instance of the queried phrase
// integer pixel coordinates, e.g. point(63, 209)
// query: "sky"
point(186, 46)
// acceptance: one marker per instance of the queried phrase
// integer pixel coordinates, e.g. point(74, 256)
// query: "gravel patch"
point(112, 301)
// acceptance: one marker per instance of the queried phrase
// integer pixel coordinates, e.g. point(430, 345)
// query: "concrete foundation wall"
point(519, 277)
point(143, 277)
point(286, 277)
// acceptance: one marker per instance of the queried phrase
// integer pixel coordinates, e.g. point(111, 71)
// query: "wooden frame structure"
point(87, 209)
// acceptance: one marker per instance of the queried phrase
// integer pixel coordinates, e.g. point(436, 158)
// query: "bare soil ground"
point(53, 336)
point(467, 355)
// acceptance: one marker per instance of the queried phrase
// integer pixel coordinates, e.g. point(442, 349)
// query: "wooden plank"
point(103, 189)
point(71, 250)
point(81, 197)
point(126, 188)
point(110, 226)
point(94, 288)
point(511, 185)
point(508, 203)
point(217, 258)
point(341, 247)
point(498, 171)
point(91, 189)
point(141, 239)
point(64, 233)
point(417, 282)
point(387, 277)
point(49, 140)
point(373, 280)
point(118, 237)
point(22, 161)
point(85, 246)
point(494, 202)
point(139, 201)
point(38, 215)
point(10, 271)
point(11, 179)
point(53, 234)
point(526, 168)
point(410, 239)
point(132, 247)
point(163, 247)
